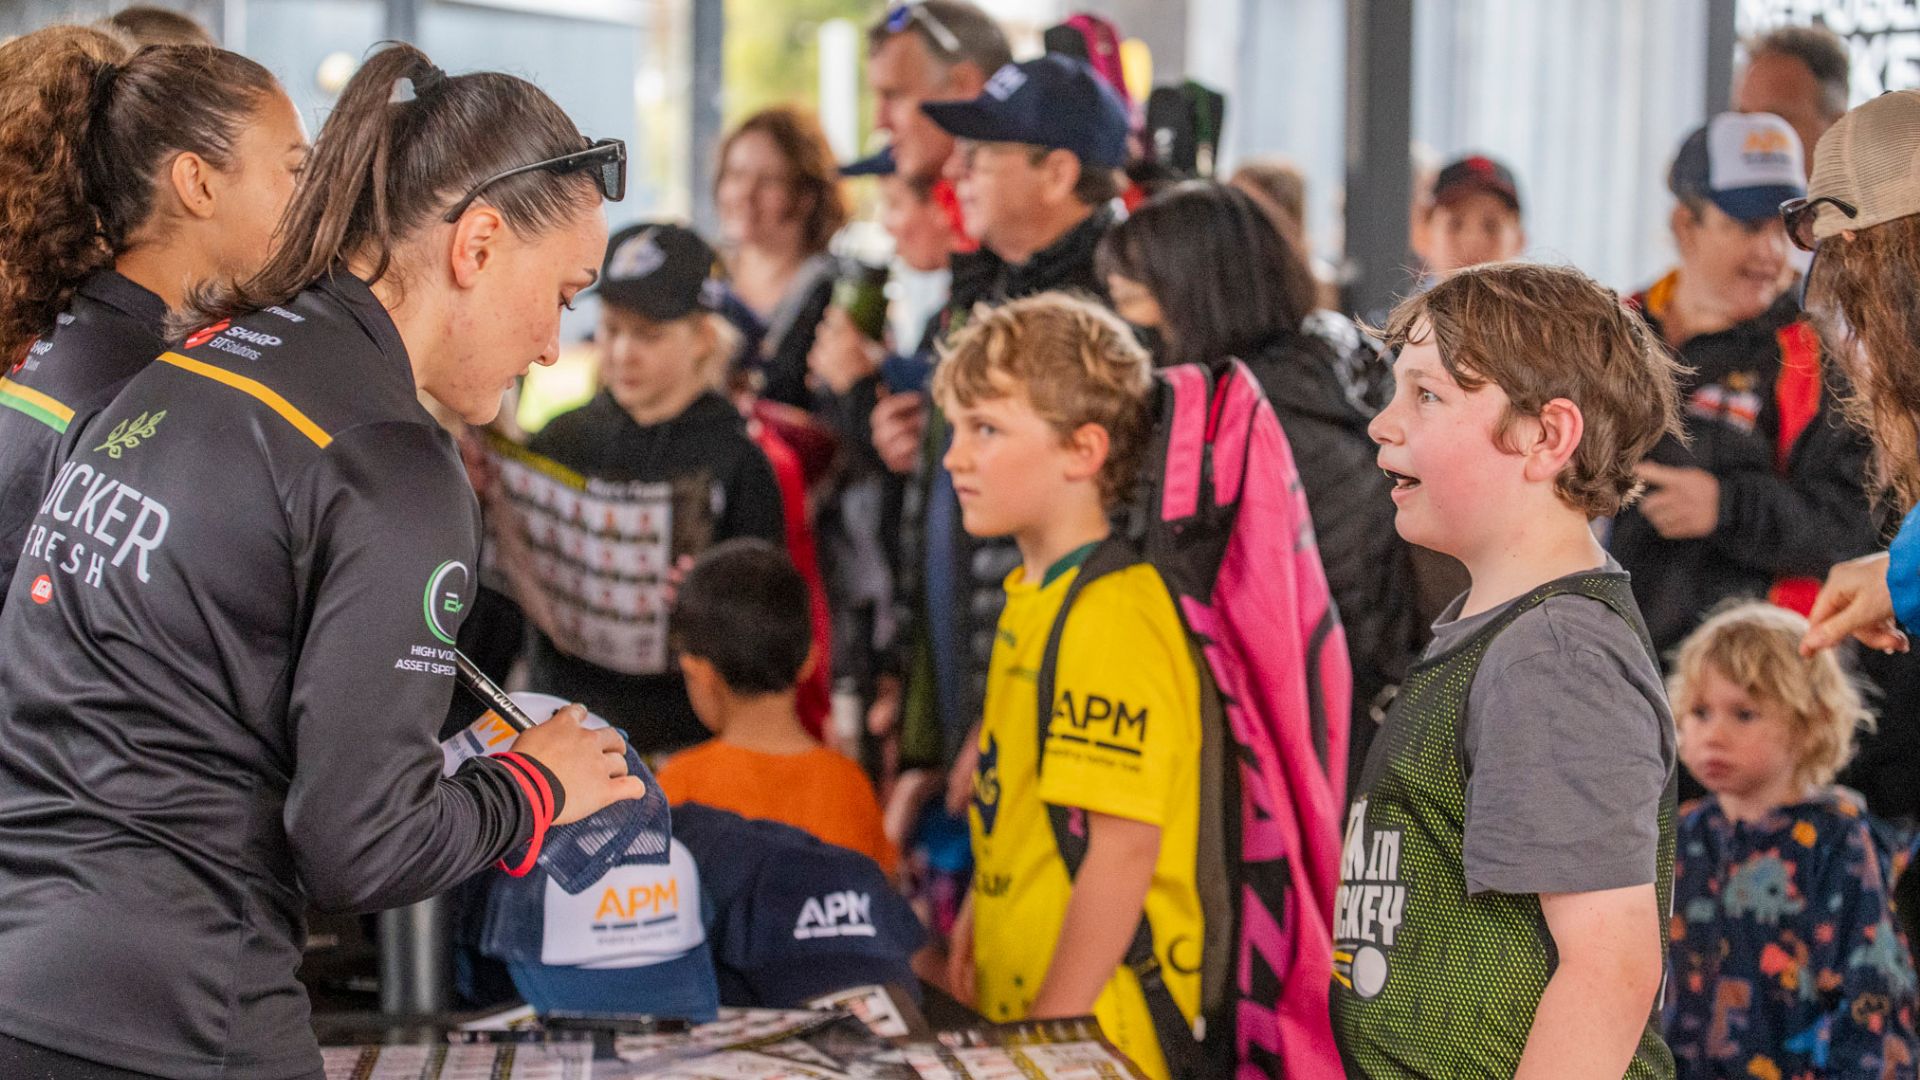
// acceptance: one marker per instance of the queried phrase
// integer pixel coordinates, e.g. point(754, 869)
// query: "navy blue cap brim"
point(880, 164)
point(684, 988)
point(1754, 203)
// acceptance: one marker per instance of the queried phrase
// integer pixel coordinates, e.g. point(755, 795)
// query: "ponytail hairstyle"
point(88, 131)
point(404, 143)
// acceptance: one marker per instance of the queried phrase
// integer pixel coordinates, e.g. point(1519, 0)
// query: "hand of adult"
point(899, 424)
point(591, 765)
point(1681, 503)
point(841, 355)
point(1855, 602)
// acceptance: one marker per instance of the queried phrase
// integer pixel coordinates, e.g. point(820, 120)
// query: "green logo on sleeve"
point(445, 596)
point(128, 434)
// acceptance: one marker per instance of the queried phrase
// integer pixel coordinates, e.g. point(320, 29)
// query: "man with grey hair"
point(1800, 74)
point(930, 50)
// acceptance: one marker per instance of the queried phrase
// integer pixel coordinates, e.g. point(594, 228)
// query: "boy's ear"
point(1559, 427)
point(1088, 448)
point(1683, 224)
point(697, 670)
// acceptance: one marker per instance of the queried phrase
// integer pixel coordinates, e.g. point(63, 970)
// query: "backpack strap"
point(1177, 1041)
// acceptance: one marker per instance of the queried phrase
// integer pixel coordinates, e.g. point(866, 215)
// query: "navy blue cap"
point(635, 941)
point(795, 918)
point(1055, 101)
point(880, 164)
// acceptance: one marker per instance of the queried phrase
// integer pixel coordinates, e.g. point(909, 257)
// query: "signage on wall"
point(1882, 35)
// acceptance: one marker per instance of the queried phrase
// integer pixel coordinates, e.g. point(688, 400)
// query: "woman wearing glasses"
point(779, 203)
point(1861, 220)
point(231, 641)
point(128, 179)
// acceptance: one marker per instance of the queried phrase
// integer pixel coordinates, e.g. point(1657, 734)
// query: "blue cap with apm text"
point(1746, 164)
point(1055, 101)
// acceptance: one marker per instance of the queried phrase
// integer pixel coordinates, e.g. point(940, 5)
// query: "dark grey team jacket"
point(223, 660)
point(109, 333)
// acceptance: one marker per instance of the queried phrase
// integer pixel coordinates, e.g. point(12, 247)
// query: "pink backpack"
point(1222, 516)
point(1095, 40)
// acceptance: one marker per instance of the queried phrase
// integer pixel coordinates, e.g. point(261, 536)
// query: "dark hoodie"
point(709, 440)
point(1326, 383)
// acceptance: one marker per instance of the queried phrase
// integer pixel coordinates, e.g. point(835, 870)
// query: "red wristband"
point(532, 786)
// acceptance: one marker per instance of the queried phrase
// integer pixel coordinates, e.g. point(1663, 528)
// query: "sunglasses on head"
point(909, 13)
point(1800, 214)
point(606, 160)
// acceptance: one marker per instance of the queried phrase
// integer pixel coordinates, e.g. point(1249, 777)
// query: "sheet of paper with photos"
point(870, 1033)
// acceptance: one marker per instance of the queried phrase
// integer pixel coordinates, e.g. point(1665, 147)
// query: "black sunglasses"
point(1800, 214)
point(606, 159)
point(911, 12)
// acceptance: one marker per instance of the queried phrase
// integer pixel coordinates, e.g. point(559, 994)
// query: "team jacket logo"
point(986, 785)
point(445, 599)
point(42, 589)
point(96, 522)
point(840, 914)
point(1107, 723)
point(229, 338)
point(128, 434)
point(1369, 907)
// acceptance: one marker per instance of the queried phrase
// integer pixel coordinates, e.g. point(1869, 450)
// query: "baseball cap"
point(1476, 172)
point(1870, 160)
point(633, 942)
point(795, 917)
point(659, 270)
point(1054, 101)
point(1746, 164)
point(880, 164)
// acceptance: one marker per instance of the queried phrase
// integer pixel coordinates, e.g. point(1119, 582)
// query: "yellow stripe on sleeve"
point(258, 391)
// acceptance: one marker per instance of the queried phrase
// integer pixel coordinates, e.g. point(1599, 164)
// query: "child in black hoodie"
point(658, 419)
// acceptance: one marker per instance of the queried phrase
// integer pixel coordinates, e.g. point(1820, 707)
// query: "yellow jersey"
point(1125, 741)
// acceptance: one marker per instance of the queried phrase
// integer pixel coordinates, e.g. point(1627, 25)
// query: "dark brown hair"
point(1076, 362)
point(813, 179)
point(394, 155)
point(1225, 281)
point(149, 25)
point(1545, 332)
point(87, 132)
point(1874, 280)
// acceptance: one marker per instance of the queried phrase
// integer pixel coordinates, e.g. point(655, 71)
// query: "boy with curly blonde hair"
point(1786, 958)
point(1048, 400)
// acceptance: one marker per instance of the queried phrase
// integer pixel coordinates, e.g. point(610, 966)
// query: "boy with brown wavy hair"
point(1048, 400)
point(1508, 867)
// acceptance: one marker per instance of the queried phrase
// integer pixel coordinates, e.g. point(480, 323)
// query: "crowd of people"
point(1602, 598)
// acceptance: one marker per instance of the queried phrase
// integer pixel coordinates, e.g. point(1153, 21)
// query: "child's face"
point(1454, 487)
point(647, 364)
point(1733, 743)
point(1470, 230)
point(922, 235)
point(1010, 466)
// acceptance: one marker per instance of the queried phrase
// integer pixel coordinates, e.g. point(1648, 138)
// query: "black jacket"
point(1326, 384)
point(1773, 523)
point(708, 442)
point(977, 569)
point(226, 655)
point(107, 335)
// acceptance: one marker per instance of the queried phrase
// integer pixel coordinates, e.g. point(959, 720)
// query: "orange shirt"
point(819, 791)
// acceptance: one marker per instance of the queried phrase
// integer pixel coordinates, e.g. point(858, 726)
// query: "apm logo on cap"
point(839, 914)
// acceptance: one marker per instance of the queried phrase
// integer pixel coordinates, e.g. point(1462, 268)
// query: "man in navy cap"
point(1035, 169)
point(1770, 490)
